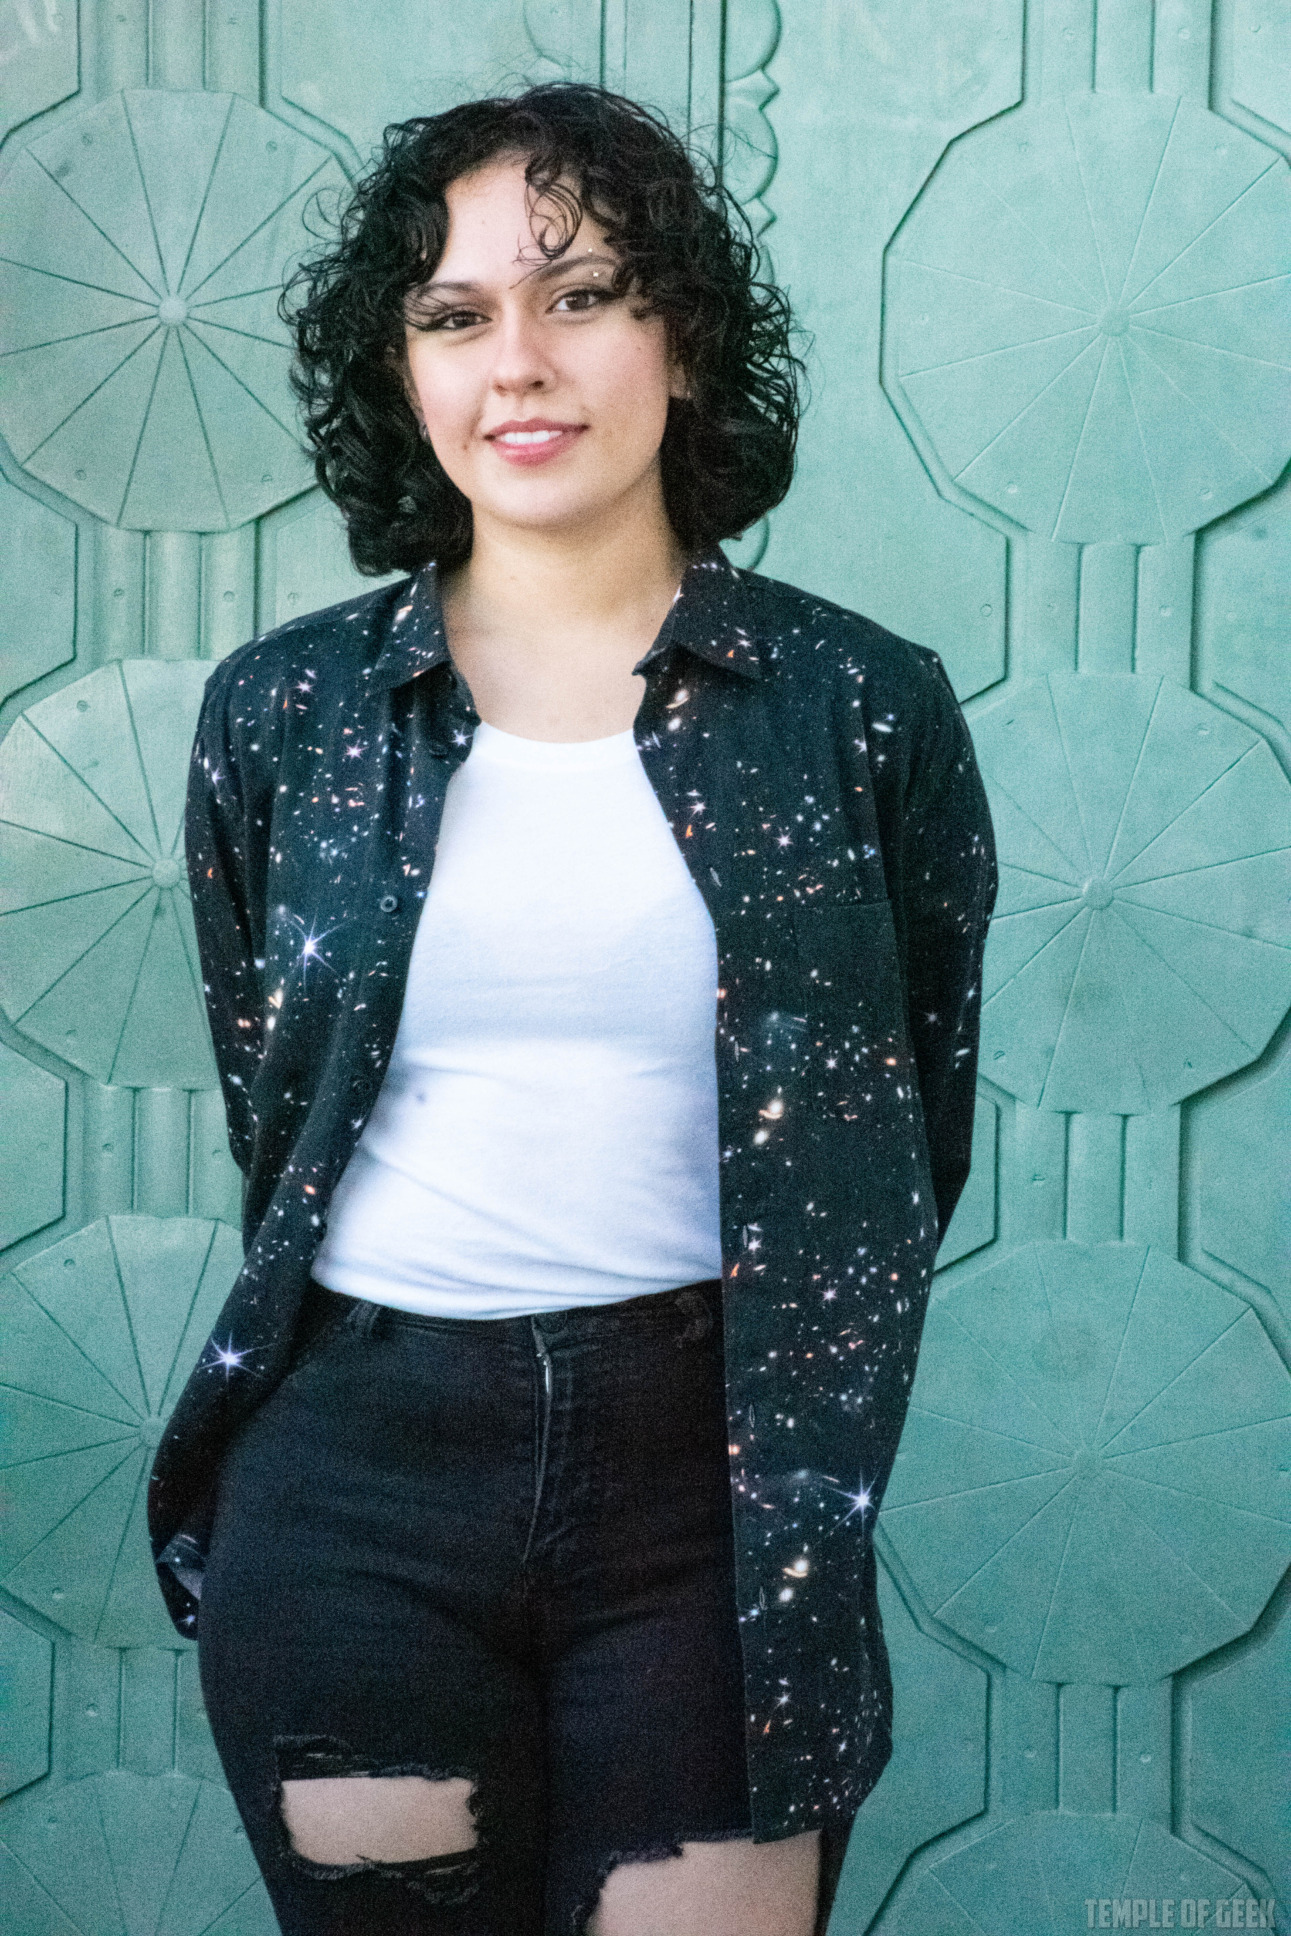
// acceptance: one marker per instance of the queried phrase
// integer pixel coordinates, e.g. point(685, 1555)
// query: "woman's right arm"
point(226, 836)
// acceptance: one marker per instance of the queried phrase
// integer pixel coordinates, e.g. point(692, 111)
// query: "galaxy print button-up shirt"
point(818, 776)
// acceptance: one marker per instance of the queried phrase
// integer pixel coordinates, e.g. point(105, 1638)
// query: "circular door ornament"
point(145, 366)
point(1041, 1872)
point(1140, 948)
point(1087, 1486)
point(98, 958)
point(102, 1331)
point(1087, 317)
point(139, 1855)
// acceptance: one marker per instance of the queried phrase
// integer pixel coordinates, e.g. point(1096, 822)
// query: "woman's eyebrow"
point(543, 272)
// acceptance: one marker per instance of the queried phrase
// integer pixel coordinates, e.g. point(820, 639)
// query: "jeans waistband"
point(700, 1302)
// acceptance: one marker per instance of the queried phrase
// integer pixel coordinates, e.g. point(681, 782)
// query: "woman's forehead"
point(497, 222)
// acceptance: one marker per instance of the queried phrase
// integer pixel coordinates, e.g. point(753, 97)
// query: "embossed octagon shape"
point(1087, 323)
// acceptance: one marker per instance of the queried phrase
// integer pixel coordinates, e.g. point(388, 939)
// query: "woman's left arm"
point(947, 889)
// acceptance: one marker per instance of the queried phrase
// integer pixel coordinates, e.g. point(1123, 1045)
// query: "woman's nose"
point(520, 361)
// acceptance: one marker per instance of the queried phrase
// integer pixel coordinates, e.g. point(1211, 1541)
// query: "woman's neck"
point(560, 595)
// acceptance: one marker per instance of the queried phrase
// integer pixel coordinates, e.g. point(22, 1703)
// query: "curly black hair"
point(686, 251)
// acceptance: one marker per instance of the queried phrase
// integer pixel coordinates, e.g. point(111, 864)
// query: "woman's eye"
point(455, 319)
point(424, 320)
point(595, 297)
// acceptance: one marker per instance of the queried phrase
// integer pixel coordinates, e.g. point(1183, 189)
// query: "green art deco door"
point(1042, 246)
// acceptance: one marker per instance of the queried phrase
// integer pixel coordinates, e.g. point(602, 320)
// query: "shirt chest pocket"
point(855, 1044)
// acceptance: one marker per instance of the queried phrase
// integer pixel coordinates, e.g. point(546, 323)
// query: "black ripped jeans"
point(491, 1548)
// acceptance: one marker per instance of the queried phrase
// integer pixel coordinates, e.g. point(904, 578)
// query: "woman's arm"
point(226, 833)
point(948, 884)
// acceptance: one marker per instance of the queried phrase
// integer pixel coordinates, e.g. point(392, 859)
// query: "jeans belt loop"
point(695, 1306)
point(363, 1316)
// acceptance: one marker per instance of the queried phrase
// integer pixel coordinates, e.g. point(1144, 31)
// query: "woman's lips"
point(537, 444)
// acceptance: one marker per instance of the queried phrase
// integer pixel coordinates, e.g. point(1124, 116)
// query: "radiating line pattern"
point(143, 366)
point(1035, 1877)
point(140, 1855)
point(1140, 947)
point(1087, 1486)
point(98, 957)
point(101, 1330)
point(1088, 316)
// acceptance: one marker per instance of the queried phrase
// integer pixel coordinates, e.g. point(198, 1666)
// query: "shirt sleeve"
point(948, 886)
point(225, 839)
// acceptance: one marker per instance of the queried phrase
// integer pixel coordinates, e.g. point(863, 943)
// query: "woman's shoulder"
point(802, 626)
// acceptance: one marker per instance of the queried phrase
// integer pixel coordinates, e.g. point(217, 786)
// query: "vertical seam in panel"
point(721, 83)
point(1032, 51)
point(690, 67)
point(1180, 1757)
point(174, 1711)
point(262, 85)
point(1217, 67)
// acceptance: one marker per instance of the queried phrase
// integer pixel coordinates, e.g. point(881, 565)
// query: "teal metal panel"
point(38, 571)
point(1091, 1429)
point(1140, 948)
point(1261, 60)
point(304, 562)
point(28, 1676)
point(155, 394)
point(858, 122)
point(41, 61)
point(33, 1116)
point(1132, 382)
point(1232, 1135)
point(100, 1332)
point(1236, 1759)
point(1040, 249)
point(1243, 570)
point(1021, 1877)
point(352, 70)
point(100, 960)
point(122, 1854)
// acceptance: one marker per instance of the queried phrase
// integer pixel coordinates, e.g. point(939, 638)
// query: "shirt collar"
point(709, 616)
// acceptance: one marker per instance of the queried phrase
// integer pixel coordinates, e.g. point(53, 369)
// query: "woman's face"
point(544, 397)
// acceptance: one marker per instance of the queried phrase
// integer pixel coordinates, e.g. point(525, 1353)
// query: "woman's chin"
point(555, 515)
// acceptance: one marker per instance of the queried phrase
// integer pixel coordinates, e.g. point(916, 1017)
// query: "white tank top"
point(546, 1134)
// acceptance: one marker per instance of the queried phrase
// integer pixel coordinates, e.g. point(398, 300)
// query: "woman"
point(591, 935)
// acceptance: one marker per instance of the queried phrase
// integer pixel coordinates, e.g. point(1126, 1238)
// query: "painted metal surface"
point(1038, 247)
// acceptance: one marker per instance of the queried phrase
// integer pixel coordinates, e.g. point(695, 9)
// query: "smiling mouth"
point(525, 446)
point(520, 438)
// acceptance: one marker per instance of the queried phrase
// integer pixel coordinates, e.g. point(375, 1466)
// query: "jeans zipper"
point(544, 1361)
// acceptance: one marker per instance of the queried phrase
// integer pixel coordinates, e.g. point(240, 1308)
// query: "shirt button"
point(388, 903)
